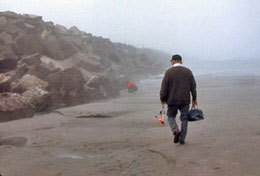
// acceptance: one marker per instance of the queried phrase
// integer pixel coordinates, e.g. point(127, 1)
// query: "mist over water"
point(196, 29)
point(222, 68)
point(226, 68)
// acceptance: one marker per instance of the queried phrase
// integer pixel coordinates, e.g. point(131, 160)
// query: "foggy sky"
point(205, 29)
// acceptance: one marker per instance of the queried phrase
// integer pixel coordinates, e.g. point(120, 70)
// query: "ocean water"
point(226, 68)
point(223, 68)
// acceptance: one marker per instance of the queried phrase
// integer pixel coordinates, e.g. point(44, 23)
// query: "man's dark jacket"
point(177, 84)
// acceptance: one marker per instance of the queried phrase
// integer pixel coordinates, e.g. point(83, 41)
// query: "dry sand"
point(122, 137)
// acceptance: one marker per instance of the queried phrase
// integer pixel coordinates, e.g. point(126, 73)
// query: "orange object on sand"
point(131, 84)
point(160, 121)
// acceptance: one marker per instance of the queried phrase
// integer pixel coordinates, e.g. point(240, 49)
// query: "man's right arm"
point(164, 89)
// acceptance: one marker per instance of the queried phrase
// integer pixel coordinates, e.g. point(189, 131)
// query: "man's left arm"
point(193, 90)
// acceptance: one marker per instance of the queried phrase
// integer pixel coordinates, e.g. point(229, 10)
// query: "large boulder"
point(10, 15)
point(37, 97)
point(53, 48)
point(75, 31)
point(68, 47)
point(25, 27)
point(66, 87)
point(29, 82)
point(2, 21)
point(51, 64)
point(81, 60)
point(39, 71)
point(59, 29)
point(12, 29)
point(8, 60)
point(91, 94)
point(13, 106)
point(7, 64)
point(19, 72)
point(105, 86)
point(7, 38)
point(33, 17)
point(5, 83)
point(30, 44)
point(14, 49)
point(16, 87)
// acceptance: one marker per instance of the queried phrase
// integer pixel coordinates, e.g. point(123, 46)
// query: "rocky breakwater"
point(43, 65)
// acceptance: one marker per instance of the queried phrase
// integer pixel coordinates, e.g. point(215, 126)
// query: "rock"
point(6, 37)
point(15, 49)
point(39, 98)
point(8, 60)
point(32, 82)
point(32, 17)
point(2, 41)
point(91, 94)
point(66, 87)
point(51, 64)
point(10, 15)
point(45, 34)
point(5, 83)
point(95, 81)
point(7, 64)
point(74, 31)
point(19, 72)
point(77, 41)
point(12, 29)
point(59, 29)
point(39, 71)
point(13, 106)
point(25, 26)
point(85, 74)
point(53, 48)
point(32, 59)
point(68, 48)
point(2, 21)
point(16, 87)
point(103, 84)
point(30, 44)
point(29, 26)
point(81, 60)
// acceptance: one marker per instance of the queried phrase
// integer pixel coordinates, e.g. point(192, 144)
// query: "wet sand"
point(122, 136)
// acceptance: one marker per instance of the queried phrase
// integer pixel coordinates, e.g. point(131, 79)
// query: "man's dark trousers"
point(172, 112)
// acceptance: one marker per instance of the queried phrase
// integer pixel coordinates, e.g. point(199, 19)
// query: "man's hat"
point(176, 57)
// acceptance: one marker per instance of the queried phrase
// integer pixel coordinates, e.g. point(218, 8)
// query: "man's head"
point(176, 59)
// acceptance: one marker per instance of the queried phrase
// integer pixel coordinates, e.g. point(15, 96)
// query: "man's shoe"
point(176, 136)
point(182, 142)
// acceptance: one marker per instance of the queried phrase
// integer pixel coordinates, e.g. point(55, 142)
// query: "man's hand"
point(194, 103)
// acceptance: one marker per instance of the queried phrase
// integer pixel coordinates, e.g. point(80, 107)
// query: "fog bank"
point(201, 29)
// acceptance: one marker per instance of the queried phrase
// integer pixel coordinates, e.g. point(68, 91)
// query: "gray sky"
point(207, 29)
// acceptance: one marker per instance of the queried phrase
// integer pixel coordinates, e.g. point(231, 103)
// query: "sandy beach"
point(122, 136)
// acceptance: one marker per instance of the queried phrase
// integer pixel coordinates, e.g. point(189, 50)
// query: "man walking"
point(177, 85)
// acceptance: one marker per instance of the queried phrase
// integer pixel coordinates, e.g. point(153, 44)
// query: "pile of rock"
point(45, 65)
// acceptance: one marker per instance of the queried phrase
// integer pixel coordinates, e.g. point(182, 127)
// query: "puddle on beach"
point(94, 116)
point(14, 141)
point(72, 155)
point(82, 114)
point(66, 155)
